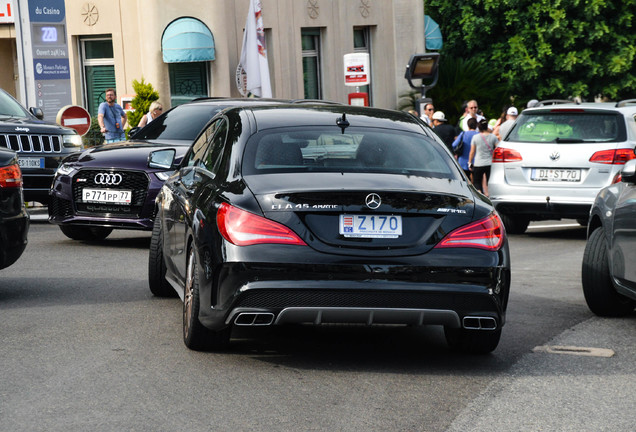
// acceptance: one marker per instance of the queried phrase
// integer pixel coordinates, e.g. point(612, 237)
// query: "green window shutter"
point(187, 81)
point(98, 79)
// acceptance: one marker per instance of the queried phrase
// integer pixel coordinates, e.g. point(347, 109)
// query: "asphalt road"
point(85, 347)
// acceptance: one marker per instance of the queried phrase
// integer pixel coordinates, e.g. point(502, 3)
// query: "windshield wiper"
point(568, 140)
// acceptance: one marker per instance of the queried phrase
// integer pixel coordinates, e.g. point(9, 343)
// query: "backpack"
point(460, 145)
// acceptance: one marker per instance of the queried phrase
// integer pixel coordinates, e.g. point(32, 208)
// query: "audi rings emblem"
point(108, 179)
point(373, 201)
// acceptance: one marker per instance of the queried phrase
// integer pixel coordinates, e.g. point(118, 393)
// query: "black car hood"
point(124, 155)
point(19, 125)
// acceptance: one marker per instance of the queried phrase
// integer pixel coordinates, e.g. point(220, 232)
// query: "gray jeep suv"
point(557, 157)
point(40, 145)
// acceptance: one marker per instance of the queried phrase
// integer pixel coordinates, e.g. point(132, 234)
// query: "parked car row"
point(557, 157)
point(272, 212)
point(14, 219)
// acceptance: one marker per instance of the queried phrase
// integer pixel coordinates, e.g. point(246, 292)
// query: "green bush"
point(93, 137)
point(145, 95)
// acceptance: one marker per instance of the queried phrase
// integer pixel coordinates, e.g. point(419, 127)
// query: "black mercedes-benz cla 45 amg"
point(324, 215)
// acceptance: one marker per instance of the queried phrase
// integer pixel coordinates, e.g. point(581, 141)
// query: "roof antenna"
point(342, 122)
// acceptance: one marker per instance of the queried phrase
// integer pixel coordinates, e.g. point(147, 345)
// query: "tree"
point(145, 94)
point(460, 80)
point(546, 48)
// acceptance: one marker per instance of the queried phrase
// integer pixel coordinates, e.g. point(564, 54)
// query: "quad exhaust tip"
point(254, 319)
point(479, 323)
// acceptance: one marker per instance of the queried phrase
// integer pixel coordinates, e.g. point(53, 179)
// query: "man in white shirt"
point(427, 114)
point(472, 112)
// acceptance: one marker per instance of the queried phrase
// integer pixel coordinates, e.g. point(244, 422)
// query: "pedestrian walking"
point(473, 108)
point(462, 146)
point(111, 118)
point(504, 128)
point(480, 159)
point(445, 131)
point(427, 114)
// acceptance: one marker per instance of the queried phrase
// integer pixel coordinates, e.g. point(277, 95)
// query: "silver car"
point(557, 157)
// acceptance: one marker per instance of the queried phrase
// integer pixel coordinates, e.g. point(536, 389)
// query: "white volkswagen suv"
point(557, 157)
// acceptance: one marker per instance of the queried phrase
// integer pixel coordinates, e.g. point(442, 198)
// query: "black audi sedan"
point(327, 214)
point(112, 186)
point(14, 219)
point(608, 272)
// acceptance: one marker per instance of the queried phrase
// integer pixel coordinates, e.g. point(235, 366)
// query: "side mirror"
point(628, 174)
point(162, 159)
point(37, 112)
point(132, 132)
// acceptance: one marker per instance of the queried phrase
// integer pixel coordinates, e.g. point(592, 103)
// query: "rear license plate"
point(31, 162)
point(106, 196)
point(371, 226)
point(556, 175)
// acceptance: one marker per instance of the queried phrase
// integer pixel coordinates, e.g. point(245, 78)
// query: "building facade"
point(189, 49)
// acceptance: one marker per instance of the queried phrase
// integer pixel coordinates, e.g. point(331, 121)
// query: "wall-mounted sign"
point(6, 12)
point(356, 69)
point(45, 75)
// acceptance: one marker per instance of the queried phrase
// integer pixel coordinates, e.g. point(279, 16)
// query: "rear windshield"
point(361, 150)
point(568, 127)
point(183, 122)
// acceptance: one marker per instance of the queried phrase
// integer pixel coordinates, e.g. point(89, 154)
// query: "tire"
point(195, 335)
point(515, 224)
point(472, 341)
point(157, 282)
point(85, 233)
point(600, 295)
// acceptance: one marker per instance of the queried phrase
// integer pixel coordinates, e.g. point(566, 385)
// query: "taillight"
point(244, 228)
point(613, 157)
point(502, 154)
point(10, 176)
point(485, 234)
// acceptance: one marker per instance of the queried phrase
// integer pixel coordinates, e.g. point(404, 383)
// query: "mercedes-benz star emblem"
point(555, 155)
point(373, 201)
point(108, 179)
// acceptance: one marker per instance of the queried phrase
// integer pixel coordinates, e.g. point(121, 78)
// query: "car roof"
point(317, 114)
point(627, 106)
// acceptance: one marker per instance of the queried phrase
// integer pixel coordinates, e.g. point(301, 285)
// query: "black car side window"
point(212, 156)
point(199, 147)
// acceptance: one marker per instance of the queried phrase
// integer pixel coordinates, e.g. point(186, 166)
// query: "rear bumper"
point(542, 202)
point(545, 210)
point(403, 295)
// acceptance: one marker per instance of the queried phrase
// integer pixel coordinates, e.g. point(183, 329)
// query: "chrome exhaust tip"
point(254, 319)
point(479, 323)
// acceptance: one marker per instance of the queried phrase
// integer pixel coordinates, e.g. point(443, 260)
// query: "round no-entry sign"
point(75, 117)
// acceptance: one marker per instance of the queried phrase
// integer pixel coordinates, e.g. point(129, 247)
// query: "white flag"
point(254, 53)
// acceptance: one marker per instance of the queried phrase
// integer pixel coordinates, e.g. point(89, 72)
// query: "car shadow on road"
point(390, 349)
